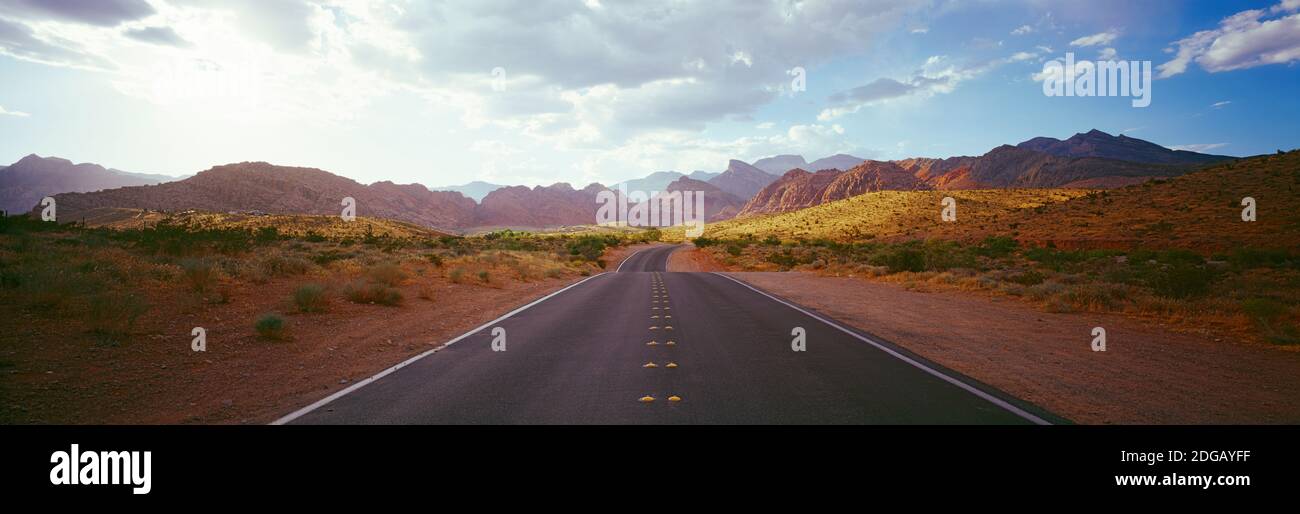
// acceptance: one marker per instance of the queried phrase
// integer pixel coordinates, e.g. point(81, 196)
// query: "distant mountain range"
point(1088, 160)
point(24, 183)
point(1093, 159)
point(475, 190)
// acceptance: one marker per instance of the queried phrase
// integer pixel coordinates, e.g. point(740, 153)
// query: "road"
point(583, 355)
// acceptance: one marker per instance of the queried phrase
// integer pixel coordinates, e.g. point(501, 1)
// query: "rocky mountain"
point(549, 206)
point(718, 204)
point(475, 190)
point(1096, 143)
point(838, 161)
point(24, 183)
point(1084, 161)
point(779, 164)
point(703, 175)
point(742, 180)
point(799, 189)
point(258, 186)
point(657, 181)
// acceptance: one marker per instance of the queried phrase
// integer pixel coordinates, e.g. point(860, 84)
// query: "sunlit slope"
point(1201, 210)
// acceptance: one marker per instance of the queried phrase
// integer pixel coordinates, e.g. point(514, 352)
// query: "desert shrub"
point(554, 272)
point(771, 241)
point(372, 293)
point(734, 249)
point(281, 266)
point(1246, 258)
point(785, 259)
point(1263, 310)
point(313, 237)
point(387, 273)
point(267, 234)
point(310, 298)
point(484, 276)
point(1179, 280)
point(1027, 278)
point(456, 275)
point(199, 274)
point(901, 258)
point(331, 255)
point(994, 246)
point(704, 242)
point(590, 248)
point(434, 259)
point(270, 326)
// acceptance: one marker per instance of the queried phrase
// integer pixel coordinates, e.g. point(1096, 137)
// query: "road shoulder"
point(1146, 375)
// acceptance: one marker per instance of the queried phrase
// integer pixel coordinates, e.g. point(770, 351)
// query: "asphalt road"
point(581, 355)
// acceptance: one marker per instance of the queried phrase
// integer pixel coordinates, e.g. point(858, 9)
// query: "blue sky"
point(604, 91)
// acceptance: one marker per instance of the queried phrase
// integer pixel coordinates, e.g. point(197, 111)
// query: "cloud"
point(939, 75)
point(106, 13)
point(157, 35)
point(765, 125)
point(20, 41)
point(1107, 54)
point(1022, 30)
point(20, 114)
point(1220, 105)
point(1243, 40)
point(1101, 38)
point(1199, 148)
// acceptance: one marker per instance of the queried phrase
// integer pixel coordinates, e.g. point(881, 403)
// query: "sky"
point(581, 91)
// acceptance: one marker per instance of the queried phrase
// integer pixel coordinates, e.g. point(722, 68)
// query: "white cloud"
point(1243, 40)
point(921, 30)
point(5, 112)
point(1199, 148)
point(1022, 30)
point(765, 125)
point(939, 75)
point(1220, 105)
point(1101, 38)
point(1107, 54)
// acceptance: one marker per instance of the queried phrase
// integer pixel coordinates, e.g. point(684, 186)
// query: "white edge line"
point(625, 259)
point(362, 383)
point(969, 388)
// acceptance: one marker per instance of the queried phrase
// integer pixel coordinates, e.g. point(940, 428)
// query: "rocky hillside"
point(24, 183)
point(742, 180)
point(1096, 143)
point(1085, 161)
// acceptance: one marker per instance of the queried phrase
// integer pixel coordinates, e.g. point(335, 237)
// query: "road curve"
point(584, 356)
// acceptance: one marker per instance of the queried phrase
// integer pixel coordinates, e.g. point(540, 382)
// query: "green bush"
point(270, 326)
point(1179, 280)
point(310, 298)
point(901, 258)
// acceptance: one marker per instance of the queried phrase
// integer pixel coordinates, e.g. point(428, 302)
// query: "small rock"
point(227, 403)
point(343, 381)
